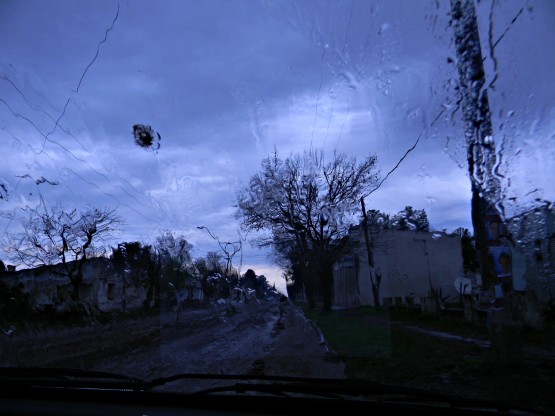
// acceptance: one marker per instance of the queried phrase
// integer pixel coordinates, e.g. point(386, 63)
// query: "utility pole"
point(480, 145)
point(370, 254)
point(486, 202)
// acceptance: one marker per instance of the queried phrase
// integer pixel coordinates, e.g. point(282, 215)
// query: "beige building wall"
point(408, 261)
point(533, 257)
point(101, 287)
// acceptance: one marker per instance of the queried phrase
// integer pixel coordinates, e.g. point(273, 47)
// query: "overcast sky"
point(224, 82)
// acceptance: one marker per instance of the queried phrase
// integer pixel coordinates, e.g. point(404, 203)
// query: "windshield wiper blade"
point(334, 388)
point(67, 378)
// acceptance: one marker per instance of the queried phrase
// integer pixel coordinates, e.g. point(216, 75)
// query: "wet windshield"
point(316, 189)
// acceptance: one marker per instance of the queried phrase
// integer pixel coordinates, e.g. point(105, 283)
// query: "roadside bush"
point(14, 304)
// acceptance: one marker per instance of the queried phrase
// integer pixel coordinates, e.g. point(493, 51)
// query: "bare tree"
point(229, 248)
point(309, 202)
point(174, 247)
point(62, 240)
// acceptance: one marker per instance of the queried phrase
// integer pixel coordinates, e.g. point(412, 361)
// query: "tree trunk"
point(308, 279)
point(76, 285)
point(326, 276)
point(370, 255)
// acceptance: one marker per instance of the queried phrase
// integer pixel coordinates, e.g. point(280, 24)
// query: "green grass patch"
point(377, 345)
point(351, 336)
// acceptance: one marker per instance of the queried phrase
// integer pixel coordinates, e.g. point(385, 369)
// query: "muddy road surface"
point(264, 338)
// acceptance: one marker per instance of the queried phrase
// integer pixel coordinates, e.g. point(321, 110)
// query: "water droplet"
point(384, 28)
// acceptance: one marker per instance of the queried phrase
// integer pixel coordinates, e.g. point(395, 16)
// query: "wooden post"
point(481, 157)
point(375, 283)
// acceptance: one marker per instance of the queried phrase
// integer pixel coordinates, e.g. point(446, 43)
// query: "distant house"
point(409, 263)
point(102, 287)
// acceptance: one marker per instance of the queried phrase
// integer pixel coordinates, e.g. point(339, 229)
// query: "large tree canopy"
point(307, 203)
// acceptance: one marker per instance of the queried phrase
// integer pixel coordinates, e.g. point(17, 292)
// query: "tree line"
point(64, 240)
point(171, 273)
point(302, 205)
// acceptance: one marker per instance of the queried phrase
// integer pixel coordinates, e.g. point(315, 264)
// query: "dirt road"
point(270, 337)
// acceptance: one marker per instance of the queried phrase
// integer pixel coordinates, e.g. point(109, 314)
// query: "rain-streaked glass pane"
point(338, 189)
